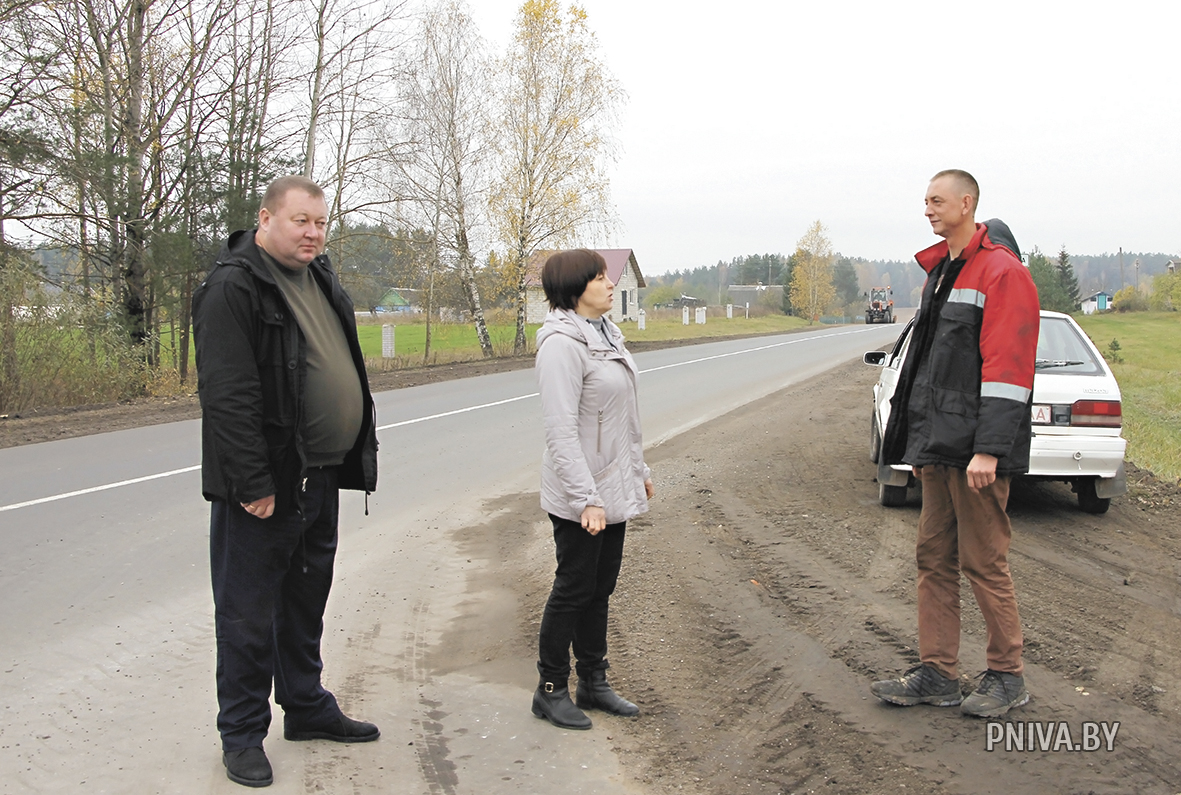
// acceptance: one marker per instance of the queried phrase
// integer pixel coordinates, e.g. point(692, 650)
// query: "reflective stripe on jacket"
point(974, 394)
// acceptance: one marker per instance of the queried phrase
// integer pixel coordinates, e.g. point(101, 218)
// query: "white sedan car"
point(1076, 416)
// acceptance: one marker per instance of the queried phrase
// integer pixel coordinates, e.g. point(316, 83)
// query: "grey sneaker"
point(920, 685)
point(997, 693)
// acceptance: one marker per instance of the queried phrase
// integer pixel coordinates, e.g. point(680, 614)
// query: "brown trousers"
point(969, 531)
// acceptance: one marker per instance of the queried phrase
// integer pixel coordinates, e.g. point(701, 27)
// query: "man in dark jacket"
point(287, 421)
point(960, 416)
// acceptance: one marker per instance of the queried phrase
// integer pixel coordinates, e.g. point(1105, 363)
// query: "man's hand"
point(649, 489)
point(261, 509)
point(594, 519)
point(981, 471)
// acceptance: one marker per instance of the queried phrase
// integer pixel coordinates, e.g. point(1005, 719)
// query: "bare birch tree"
point(444, 104)
point(557, 104)
point(354, 62)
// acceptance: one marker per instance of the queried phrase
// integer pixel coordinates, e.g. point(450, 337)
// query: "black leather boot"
point(595, 693)
point(248, 767)
point(552, 702)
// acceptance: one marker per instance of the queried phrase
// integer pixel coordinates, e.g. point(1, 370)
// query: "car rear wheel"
point(891, 496)
point(1087, 499)
point(875, 439)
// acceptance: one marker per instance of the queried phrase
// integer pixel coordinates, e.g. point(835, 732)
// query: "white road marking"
point(417, 420)
point(54, 498)
point(93, 489)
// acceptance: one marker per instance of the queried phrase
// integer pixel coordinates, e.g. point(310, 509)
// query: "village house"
point(622, 270)
point(1099, 302)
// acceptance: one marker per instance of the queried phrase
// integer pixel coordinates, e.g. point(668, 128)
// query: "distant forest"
point(710, 282)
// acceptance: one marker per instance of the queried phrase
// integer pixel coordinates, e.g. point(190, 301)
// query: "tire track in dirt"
point(767, 589)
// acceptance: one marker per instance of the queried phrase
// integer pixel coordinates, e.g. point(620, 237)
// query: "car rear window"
point(1062, 350)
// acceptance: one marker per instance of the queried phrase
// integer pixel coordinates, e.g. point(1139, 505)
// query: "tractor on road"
point(880, 306)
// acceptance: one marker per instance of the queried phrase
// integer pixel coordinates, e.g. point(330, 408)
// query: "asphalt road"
point(106, 614)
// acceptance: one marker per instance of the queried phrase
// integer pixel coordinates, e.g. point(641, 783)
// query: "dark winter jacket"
point(251, 371)
point(967, 383)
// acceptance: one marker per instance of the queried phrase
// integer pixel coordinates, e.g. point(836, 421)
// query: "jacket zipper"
point(599, 439)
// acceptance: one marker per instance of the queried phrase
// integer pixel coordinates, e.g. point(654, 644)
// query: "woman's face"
point(596, 300)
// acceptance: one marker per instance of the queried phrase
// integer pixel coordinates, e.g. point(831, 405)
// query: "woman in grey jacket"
point(593, 479)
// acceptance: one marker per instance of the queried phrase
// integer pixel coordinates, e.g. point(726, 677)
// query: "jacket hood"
point(991, 234)
point(569, 323)
point(241, 250)
point(999, 233)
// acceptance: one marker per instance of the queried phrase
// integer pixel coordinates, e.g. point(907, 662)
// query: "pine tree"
point(1050, 292)
point(1067, 278)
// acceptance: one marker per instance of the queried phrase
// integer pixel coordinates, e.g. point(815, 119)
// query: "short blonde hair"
point(966, 181)
point(278, 190)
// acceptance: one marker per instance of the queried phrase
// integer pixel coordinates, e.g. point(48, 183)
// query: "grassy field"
point(1150, 383)
point(452, 342)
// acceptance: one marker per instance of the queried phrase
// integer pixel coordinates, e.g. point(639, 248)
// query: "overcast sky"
point(747, 120)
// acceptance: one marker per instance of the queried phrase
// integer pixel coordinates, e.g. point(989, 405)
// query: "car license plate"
point(1042, 415)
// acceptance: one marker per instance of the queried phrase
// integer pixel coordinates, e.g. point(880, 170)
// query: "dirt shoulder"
point(46, 425)
point(767, 588)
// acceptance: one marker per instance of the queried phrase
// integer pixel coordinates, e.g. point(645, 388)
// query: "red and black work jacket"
point(967, 383)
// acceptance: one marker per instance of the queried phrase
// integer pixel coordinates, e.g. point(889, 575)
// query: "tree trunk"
point(134, 270)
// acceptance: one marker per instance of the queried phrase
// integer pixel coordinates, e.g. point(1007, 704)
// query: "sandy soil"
point(767, 588)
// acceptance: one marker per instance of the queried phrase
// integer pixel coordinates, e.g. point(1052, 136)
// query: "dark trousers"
point(576, 613)
point(271, 579)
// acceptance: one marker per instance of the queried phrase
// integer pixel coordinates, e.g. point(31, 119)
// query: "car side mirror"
point(876, 358)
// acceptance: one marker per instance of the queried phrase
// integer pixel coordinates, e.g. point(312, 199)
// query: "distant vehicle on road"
point(880, 306)
point(1077, 417)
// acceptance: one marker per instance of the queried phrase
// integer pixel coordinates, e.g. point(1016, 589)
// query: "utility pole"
point(1121, 267)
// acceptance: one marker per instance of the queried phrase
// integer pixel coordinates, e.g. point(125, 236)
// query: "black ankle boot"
point(595, 693)
point(552, 702)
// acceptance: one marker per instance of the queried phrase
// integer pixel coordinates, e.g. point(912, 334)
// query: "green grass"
point(451, 342)
point(1150, 383)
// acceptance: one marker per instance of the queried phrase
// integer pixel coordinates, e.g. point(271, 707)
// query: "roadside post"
point(640, 322)
point(387, 341)
point(748, 310)
point(729, 311)
point(701, 315)
point(684, 315)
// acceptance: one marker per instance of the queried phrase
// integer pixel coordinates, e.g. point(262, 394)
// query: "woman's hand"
point(649, 489)
point(594, 519)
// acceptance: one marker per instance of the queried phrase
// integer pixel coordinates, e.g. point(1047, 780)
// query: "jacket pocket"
point(953, 424)
point(955, 353)
point(609, 484)
point(953, 401)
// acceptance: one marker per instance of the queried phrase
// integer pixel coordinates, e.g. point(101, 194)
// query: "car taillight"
point(1096, 413)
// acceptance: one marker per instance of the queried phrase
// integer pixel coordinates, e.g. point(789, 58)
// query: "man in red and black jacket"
point(961, 417)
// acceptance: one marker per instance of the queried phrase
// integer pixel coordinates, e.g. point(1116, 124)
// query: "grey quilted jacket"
point(594, 453)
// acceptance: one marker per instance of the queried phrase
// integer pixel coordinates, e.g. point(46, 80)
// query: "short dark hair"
point(278, 190)
point(966, 181)
point(565, 275)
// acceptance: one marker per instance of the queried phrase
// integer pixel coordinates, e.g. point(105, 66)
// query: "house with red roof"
point(622, 269)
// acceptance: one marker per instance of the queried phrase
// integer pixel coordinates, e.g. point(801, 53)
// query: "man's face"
point(948, 207)
point(294, 234)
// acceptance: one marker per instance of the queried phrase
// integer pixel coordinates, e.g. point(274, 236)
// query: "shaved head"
point(964, 182)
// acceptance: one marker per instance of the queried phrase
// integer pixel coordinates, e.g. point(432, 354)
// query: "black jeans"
point(588, 567)
point(271, 579)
